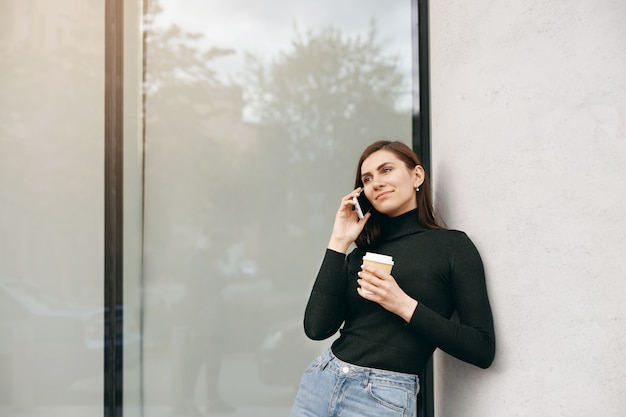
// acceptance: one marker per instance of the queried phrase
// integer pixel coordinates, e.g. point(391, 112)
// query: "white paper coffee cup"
point(383, 262)
point(380, 261)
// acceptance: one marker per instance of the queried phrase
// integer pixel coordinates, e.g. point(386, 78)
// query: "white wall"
point(529, 158)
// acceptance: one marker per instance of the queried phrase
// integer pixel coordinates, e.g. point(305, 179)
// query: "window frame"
point(113, 217)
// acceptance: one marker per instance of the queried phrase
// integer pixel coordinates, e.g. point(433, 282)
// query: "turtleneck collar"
point(402, 225)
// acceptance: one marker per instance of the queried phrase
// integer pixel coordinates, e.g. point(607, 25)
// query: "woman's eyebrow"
point(378, 168)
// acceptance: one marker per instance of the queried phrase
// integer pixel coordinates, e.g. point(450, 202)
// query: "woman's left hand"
point(380, 287)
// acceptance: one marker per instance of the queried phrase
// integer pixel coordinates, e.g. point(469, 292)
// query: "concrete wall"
point(529, 158)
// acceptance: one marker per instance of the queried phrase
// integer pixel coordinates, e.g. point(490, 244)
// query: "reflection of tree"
point(191, 117)
point(194, 161)
point(320, 102)
point(314, 107)
point(175, 57)
point(326, 91)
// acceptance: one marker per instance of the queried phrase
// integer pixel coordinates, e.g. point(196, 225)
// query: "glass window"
point(51, 197)
point(255, 115)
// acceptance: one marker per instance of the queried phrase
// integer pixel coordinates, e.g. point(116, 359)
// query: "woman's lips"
point(382, 195)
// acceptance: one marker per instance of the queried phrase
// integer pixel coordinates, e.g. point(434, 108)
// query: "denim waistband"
point(348, 370)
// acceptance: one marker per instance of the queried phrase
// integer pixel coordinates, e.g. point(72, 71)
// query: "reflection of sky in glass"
point(253, 27)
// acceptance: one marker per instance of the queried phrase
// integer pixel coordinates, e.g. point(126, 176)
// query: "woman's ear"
point(420, 176)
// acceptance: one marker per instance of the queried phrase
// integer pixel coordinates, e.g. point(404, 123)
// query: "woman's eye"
point(387, 169)
point(366, 180)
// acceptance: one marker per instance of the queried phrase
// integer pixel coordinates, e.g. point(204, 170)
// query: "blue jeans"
point(331, 387)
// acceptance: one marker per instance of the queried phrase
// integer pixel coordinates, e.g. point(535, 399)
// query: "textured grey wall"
point(529, 158)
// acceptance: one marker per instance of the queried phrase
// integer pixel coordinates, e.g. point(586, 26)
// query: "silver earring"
point(417, 189)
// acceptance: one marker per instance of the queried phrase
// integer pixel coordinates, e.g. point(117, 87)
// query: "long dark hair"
point(425, 209)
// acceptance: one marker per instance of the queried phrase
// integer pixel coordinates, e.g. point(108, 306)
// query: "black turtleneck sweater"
point(441, 269)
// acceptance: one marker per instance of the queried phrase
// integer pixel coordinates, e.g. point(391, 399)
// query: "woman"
point(392, 323)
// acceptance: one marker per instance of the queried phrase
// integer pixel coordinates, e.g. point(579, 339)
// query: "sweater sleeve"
point(472, 337)
point(326, 308)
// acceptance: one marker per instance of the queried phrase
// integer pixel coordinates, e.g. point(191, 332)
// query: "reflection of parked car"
point(46, 344)
point(285, 352)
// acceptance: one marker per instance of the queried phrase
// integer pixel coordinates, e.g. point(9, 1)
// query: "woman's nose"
point(377, 183)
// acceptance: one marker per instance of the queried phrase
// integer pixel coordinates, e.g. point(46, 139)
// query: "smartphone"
point(362, 205)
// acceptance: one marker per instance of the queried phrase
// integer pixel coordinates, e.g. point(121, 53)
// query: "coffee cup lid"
point(377, 257)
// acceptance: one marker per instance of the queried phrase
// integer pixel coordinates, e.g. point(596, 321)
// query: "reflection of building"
point(51, 128)
point(43, 26)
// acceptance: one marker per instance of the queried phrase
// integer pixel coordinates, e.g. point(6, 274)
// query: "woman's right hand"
point(347, 226)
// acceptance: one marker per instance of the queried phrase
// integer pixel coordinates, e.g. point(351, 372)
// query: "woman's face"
point(388, 184)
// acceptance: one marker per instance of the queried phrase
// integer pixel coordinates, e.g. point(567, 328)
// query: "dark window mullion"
point(421, 145)
point(421, 80)
point(113, 208)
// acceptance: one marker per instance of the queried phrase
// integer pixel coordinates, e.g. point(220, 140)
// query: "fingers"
point(354, 193)
point(371, 280)
point(349, 198)
point(347, 209)
point(364, 292)
point(367, 289)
